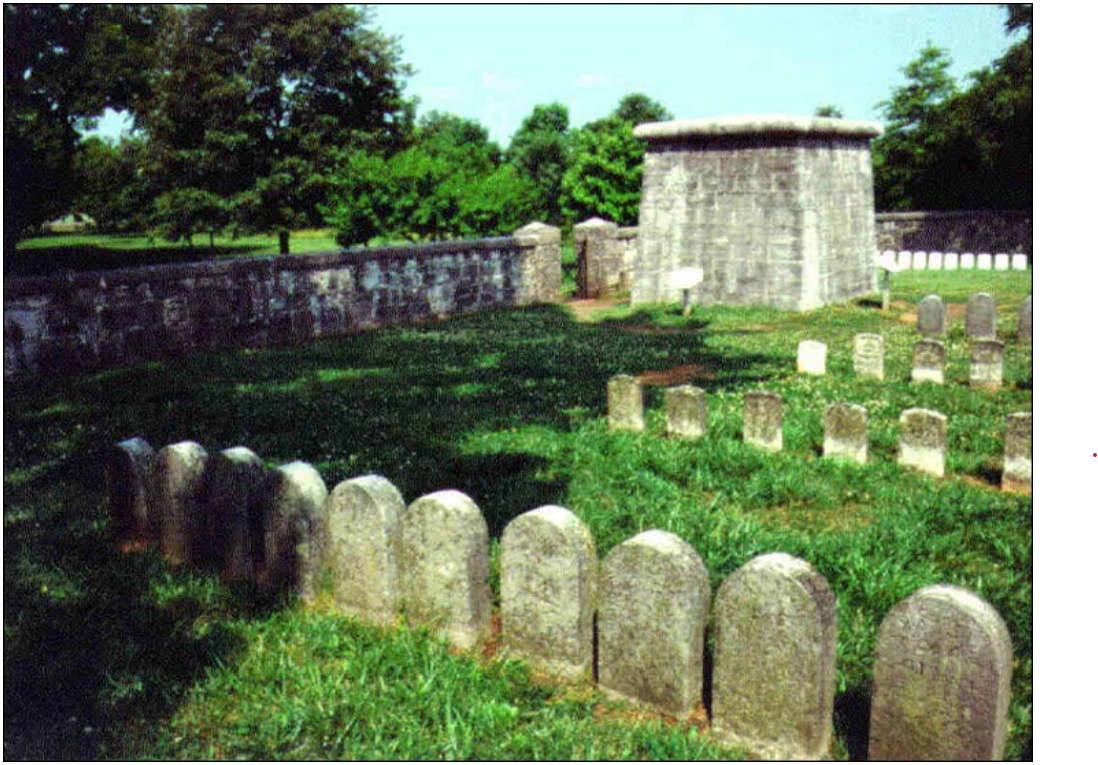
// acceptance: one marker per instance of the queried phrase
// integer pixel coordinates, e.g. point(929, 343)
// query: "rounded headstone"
point(293, 521)
point(180, 478)
point(762, 420)
point(625, 402)
point(234, 520)
point(130, 474)
point(1018, 453)
point(923, 440)
point(846, 435)
point(980, 316)
point(931, 320)
point(687, 412)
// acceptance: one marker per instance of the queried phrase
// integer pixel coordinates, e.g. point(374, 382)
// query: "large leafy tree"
point(111, 183)
point(258, 104)
point(604, 178)
point(540, 152)
point(63, 66)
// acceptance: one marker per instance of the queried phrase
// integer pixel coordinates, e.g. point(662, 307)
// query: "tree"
point(112, 185)
point(539, 152)
point(829, 110)
point(63, 65)
point(604, 178)
point(258, 104)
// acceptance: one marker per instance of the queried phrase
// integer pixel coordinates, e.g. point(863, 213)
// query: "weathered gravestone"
point(918, 260)
point(774, 659)
point(444, 567)
point(931, 320)
point(687, 412)
point(980, 316)
point(363, 523)
point(812, 357)
point(1019, 261)
point(869, 353)
point(180, 478)
point(762, 420)
point(923, 440)
point(653, 603)
point(130, 474)
point(983, 261)
point(934, 261)
point(949, 262)
point(292, 551)
point(968, 260)
point(903, 260)
point(1002, 261)
point(1025, 320)
point(941, 682)
point(928, 362)
point(625, 399)
point(985, 368)
point(233, 524)
point(846, 429)
point(1018, 453)
point(548, 571)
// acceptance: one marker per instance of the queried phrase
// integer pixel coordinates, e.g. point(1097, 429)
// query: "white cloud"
point(500, 84)
point(442, 94)
point(592, 80)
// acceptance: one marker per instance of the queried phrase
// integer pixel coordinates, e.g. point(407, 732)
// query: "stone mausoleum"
point(777, 210)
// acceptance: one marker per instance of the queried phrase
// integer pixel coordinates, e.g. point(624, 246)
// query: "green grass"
point(114, 655)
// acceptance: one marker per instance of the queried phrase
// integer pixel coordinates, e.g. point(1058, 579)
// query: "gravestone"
point(548, 571)
point(934, 261)
point(789, 199)
point(292, 551)
point(233, 525)
point(923, 440)
point(625, 398)
point(361, 541)
point(869, 352)
point(903, 260)
point(653, 603)
point(130, 474)
point(846, 432)
point(687, 412)
point(1025, 320)
point(812, 357)
point(1018, 453)
point(985, 368)
point(762, 420)
point(941, 681)
point(980, 316)
point(1002, 261)
point(983, 261)
point(949, 262)
point(928, 362)
point(931, 320)
point(180, 477)
point(1019, 262)
point(968, 260)
point(775, 627)
point(918, 260)
point(444, 567)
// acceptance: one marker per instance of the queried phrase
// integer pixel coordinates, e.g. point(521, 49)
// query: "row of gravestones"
point(943, 658)
point(979, 317)
point(846, 428)
point(920, 260)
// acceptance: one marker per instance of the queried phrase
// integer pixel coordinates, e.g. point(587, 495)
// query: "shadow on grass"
point(451, 405)
point(45, 261)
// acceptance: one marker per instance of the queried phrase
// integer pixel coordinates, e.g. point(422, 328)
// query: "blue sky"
point(494, 63)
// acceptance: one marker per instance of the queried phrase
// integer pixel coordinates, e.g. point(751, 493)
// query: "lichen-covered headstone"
point(444, 567)
point(923, 440)
point(941, 682)
point(980, 316)
point(1018, 453)
point(364, 519)
point(931, 321)
point(180, 479)
point(653, 603)
point(1025, 320)
point(869, 356)
point(812, 357)
point(762, 420)
point(687, 412)
point(928, 362)
point(775, 626)
point(625, 398)
point(846, 428)
point(130, 474)
point(548, 571)
point(236, 508)
point(293, 523)
point(985, 369)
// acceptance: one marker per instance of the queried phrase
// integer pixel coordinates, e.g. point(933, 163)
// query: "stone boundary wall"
point(959, 230)
point(97, 319)
point(943, 658)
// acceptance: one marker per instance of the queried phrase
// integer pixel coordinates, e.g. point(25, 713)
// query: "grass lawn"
point(110, 653)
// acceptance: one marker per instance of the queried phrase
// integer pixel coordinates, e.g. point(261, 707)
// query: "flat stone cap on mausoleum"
point(759, 125)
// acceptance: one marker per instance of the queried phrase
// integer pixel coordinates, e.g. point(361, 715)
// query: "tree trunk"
point(211, 241)
point(283, 242)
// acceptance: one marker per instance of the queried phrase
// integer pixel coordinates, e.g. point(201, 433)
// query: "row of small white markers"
point(941, 685)
point(920, 260)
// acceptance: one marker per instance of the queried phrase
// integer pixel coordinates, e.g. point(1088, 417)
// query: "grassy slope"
point(114, 654)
